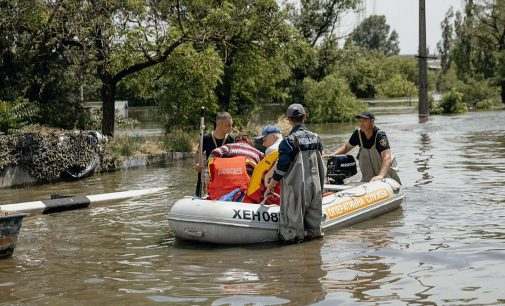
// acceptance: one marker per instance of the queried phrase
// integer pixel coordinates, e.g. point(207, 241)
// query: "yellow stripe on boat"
point(349, 204)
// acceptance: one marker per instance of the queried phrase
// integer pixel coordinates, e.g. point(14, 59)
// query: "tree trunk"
point(502, 85)
point(108, 93)
point(223, 90)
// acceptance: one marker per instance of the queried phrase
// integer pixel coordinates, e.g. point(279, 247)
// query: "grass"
point(179, 141)
point(128, 146)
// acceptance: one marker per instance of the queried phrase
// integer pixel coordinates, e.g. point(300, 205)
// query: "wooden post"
point(423, 66)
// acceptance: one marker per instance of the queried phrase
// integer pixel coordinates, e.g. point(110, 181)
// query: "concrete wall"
point(14, 176)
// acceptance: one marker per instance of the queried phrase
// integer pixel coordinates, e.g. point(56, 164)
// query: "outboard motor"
point(340, 167)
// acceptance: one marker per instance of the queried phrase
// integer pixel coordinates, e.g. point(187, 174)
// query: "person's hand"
point(271, 185)
point(327, 154)
point(377, 178)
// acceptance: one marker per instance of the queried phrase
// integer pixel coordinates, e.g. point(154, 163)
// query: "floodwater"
point(446, 246)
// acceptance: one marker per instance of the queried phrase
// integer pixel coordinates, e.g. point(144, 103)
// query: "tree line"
point(233, 55)
point(472, 52)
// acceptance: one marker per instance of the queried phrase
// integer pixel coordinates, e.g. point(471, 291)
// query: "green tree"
point(317, 19)
point(478, 43)
point(123, 38)
point(316, 22)
point(395, 87)
point(248, 33)
point(444, 46)
point(330, 100)
point(37, 61)
point(374, 34)
point(363, 71)
point(187, 82)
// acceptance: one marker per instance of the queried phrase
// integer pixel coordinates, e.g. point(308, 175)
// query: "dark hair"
point(223, 116)
point(243, 137)
point(297, 120)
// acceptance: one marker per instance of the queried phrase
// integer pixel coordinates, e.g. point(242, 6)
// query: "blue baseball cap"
point(269, 129)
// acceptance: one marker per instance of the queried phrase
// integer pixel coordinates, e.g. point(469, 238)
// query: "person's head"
point(269, 135)
point(224, 122)
point(296, 114)
point(244, 138)
point(366, 121)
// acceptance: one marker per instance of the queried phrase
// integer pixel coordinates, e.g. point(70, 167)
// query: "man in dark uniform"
point(375, 157)
point(301, 170)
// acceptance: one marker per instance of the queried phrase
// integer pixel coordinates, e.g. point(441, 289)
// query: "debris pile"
point(7, 151)
point(45, 155)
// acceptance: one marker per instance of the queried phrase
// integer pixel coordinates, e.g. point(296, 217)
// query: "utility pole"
point(424, 110)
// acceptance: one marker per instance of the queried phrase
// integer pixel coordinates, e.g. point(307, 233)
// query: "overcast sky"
point(403, 16)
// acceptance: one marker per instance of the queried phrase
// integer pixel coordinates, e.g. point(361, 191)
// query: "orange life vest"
point(227, 174)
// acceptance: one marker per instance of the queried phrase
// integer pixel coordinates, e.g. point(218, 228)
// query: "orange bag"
point(227, 174)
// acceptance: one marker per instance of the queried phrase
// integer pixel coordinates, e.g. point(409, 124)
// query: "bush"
point(402, 65)
point(330, 100)
point(475, 91)
point(435, 108)
point(487, 104)
point(396, 87)
point(364, 73)
point(179, 141)
point(125, 146)
point(452, 103)
point(16, 114)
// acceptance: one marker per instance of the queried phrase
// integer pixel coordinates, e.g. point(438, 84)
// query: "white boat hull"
point(242, 223)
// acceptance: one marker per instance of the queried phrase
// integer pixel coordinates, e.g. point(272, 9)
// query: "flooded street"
point(446, 246)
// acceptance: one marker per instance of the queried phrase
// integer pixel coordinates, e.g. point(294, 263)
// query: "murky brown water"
point(446, 246)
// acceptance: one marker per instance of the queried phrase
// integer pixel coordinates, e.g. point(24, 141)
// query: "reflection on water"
point(444, 247)
point(423, 158)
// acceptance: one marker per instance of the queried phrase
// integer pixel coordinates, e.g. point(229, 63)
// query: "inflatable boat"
point(197, 219)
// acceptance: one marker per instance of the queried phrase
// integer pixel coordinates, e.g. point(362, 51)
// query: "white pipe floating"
point(73, 202)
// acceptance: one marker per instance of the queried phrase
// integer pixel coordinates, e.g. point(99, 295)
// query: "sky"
point(403, 17)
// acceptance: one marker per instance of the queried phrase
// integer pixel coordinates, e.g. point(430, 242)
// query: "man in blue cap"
point(270, 138)
point(300, 169)
point(375, 158)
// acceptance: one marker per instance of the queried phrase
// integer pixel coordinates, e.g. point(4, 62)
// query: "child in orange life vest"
point(230, 167)
point(271, 137)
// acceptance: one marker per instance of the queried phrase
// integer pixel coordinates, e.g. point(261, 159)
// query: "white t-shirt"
point(273, 147)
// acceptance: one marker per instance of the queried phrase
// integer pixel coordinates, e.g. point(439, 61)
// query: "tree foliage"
point(452, 103)
point(330, 100)
point(179, 55)
point(474, 42)
point(317, 19)
point(374, 34)
point(395, 87)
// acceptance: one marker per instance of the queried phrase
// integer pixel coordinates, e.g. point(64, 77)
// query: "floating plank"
point(70, 203)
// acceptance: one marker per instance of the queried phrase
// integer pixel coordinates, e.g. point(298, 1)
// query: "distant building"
point(433, 61)
point(121, 107)
point(434, 64)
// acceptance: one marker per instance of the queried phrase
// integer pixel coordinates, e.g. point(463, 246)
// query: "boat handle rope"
point(267, 194)
point(352, 195)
